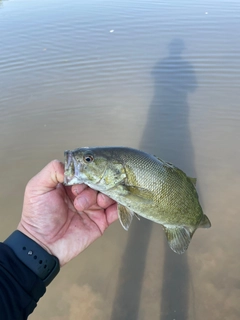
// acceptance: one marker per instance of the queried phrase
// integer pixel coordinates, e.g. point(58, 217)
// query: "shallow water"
point(159, 76)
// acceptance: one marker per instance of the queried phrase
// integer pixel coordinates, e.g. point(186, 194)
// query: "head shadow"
point(167, 131)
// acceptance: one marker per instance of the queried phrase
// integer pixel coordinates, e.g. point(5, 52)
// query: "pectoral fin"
point(125, 216)
point(178, 238)
point(137, 194)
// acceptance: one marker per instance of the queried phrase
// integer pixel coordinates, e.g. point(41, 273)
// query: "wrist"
point(34, 256)
point(22, 229)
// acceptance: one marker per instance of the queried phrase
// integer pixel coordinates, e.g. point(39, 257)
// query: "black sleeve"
point(20, 288)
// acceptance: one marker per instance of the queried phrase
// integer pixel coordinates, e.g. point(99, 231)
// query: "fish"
point(142, 185)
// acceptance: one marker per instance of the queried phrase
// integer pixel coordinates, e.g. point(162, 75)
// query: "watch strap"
point(43, 264)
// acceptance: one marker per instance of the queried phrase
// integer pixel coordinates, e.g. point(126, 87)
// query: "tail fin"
point(205, 223)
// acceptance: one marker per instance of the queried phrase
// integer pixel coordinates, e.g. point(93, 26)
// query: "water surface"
point(159, 76)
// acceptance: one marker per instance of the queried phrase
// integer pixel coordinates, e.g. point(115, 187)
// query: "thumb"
point(47, 179)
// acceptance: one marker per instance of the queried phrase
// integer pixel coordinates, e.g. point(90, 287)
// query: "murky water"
point(162, 76)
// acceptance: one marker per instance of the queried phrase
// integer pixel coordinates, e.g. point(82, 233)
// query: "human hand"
point(64, 220)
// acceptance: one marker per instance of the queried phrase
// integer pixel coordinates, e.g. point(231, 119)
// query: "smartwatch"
point(43, 264)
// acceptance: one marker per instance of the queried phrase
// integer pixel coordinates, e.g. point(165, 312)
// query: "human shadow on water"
point(166, 135)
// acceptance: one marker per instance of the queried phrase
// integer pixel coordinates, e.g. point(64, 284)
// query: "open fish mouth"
point(71, 169)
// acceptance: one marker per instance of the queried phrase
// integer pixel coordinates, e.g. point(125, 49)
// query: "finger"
point(78, 188)
point(111, 213)
point(103, 218)
point(104, 201)
point(47, 179)
point(86, 199)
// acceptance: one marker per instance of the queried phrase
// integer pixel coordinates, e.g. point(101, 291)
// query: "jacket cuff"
point(21, 288)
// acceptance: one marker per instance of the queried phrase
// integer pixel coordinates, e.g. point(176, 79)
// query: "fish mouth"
point(71, 169)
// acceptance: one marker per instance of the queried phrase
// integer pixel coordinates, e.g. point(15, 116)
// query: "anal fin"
point(178, 238)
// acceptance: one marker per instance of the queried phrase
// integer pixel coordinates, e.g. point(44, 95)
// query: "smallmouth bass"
point(142, 185)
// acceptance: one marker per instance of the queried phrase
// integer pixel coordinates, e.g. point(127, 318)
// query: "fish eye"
point(88, 158)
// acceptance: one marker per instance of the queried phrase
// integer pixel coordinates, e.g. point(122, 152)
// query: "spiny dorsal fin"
point(171, 166)
point(178, 238)
point(167, 164)
point(205, 222)
point(125, 216)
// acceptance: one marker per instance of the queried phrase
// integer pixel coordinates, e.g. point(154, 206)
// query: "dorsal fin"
point(193, 180)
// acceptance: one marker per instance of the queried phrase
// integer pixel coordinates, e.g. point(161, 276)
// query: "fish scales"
point(168, 187)
point(143, 184)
